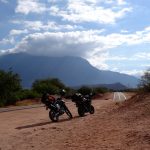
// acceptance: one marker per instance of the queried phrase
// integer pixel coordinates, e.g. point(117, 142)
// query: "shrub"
point(9, 86)
point(145, 82)
point(28, 94)
point(51, 86)
point(85, 90)
point(101, 90)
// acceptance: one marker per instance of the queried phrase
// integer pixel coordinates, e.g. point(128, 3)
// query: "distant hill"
point(73, 71)
point(115, 86)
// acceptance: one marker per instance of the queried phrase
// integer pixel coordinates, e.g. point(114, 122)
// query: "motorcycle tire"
point(92, 110)
point(53, 116)
point(81, 112)
point(68, 113)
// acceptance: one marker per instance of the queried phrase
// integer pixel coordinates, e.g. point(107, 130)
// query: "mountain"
point(114, 86)
point(73, 71)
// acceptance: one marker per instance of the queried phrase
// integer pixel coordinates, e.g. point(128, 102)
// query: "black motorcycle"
point(57, 108)
point(83, 103)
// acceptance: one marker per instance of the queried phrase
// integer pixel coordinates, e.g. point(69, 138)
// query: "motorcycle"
point(83, 103)
point(57, 108)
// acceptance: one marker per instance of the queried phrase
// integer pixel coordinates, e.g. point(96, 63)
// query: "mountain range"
point(72, 71)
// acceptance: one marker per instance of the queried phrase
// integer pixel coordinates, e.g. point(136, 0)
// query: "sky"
point(111, 34)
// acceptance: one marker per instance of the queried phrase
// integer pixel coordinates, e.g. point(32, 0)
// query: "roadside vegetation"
point(11, 90)
point(144, 85)
point(9, 87)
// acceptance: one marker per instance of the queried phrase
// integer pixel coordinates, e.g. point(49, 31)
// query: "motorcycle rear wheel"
point(92, 110)
point(81, 112)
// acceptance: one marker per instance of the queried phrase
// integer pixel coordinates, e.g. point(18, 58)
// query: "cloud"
point(117, 39)
point(81, 11)
point(50, 25)
point(33, 25)
point(121, 2)
point(100, 41)
point(30, 6)
point(47, 26)
point(90, 44)
point(99, 60)
point(18, 32)
point(137, 56)
point(7, 41)
point(143, 55)
point(134, 72)
point(59, 44)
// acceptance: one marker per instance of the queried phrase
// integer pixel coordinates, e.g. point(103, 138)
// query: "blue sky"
point(111, 34)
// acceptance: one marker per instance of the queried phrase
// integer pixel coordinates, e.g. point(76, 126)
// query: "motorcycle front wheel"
point(68, 113)
point(53, 116)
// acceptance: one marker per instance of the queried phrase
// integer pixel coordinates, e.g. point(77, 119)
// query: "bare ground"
point(112, 127)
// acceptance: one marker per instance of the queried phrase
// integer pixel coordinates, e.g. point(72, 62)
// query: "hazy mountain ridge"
point(73, 71)
point(113, 86)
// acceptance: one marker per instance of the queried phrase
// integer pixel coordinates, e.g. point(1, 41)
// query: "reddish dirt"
point(112, 127)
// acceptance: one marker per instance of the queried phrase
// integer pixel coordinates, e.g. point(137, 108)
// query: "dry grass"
point(28, 102)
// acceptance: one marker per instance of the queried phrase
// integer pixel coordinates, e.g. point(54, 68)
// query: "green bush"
point(2, 102)
point(9, 86)
point(51, 86)
point(85, 90)
point(28, 94)
point(100, 90)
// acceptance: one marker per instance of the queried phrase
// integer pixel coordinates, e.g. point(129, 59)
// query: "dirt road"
point(119, 97)
point(107, 129)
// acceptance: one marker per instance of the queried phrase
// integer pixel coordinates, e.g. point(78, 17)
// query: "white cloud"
point(134, 72)
point(138, 56)
point(54, 1)
point(33, 25)
point(48, 26)
point(59, 44)
point(81, 11)
point(98, 60)
point(18, 32)
point(117, 39)
point(30, 6)
point(143, 55)
point(145, 65)
point(121, 2)
point(7, 41)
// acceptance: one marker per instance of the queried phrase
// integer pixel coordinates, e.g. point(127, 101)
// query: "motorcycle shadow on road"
point(33, 125)
point(45, 123)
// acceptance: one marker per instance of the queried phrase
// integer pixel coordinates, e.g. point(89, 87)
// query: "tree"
point(85, 90)
point(51, 86)
point(145, 81)
point(9, 86)
point(100, 90)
